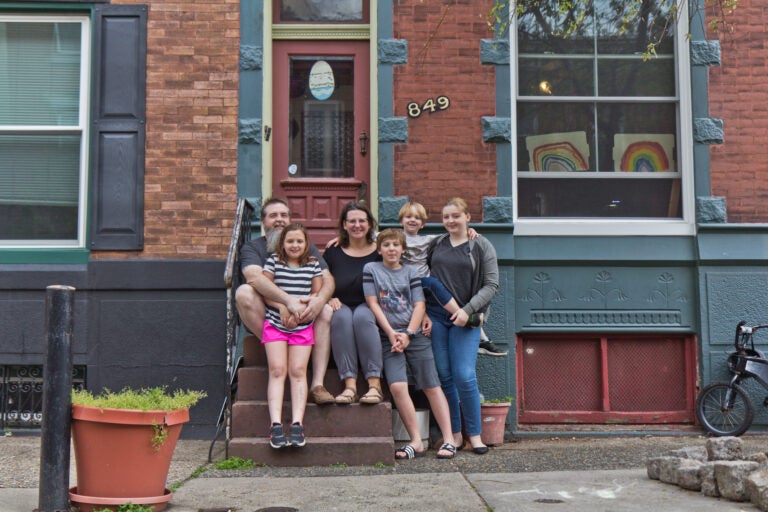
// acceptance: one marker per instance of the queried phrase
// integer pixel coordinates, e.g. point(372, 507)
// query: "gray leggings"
point(355, 336)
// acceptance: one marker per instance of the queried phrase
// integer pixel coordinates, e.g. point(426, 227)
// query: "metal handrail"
point(241, 232)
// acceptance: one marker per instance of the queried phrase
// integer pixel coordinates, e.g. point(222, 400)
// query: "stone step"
point(253, 352)
point(252, 383)
point(319, 451)
point(251, 419)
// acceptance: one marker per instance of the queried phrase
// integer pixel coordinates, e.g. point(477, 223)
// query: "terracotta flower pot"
point(494, 418)
point(123, 454)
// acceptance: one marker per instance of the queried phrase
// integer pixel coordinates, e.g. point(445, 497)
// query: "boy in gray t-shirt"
point(393, 293)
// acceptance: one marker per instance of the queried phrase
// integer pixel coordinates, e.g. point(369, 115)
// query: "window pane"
point(617, 197)
point(321, 10)
point(543, 29)
point(628, 118)
point(651, 22)
point(550, 122)
point(321, 129)
point(39, 186)
point(633, 77)
point(39, 73)
point(556, 77)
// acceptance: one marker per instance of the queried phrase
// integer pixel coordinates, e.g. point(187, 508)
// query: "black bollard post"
point(57, 401)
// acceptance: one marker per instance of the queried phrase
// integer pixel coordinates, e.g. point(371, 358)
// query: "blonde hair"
point(458, 203)
point(413, 206)
point(390, 234)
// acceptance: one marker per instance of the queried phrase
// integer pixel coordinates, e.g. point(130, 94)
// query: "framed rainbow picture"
point(643, 152)
point(558, 152)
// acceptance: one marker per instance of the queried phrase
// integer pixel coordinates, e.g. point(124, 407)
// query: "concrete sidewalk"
point(499, 481)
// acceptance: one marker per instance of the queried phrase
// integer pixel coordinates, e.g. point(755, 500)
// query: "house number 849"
point(439, 103)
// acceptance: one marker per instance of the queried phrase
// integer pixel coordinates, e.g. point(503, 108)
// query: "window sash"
point(526, 96)
point(45, 130)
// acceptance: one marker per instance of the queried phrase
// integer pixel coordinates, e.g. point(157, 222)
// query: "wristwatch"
point(410, 333)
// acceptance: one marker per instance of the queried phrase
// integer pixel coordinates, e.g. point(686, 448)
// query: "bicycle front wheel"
point(720, 418)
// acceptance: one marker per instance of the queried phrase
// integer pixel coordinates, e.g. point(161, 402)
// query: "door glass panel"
point(321, 117)
point(321, 10)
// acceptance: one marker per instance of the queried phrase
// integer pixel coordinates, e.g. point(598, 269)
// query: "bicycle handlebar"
point(744, 333)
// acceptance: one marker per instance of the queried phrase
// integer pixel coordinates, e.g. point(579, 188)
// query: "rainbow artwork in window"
point(558, 152)
point(643, 152)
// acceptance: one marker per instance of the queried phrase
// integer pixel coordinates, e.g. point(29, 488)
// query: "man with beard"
point(251, 297)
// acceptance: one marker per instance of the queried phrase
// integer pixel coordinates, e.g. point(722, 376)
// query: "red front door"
point(321, 129)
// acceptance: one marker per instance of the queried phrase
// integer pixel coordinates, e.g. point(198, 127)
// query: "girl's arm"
point(489, 277)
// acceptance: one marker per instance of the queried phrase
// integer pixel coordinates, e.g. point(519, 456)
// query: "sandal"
point(373, 396)
point(345, 398)
point(448, 447)
point(410, 453)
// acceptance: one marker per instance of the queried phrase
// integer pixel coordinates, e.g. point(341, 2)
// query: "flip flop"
point(345, 399)
point(410, 453)
point(449, 448)
point(373, 396)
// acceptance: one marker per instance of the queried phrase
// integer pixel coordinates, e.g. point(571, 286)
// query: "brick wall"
point(445, 155)
point(191, 147)
point(738, 94)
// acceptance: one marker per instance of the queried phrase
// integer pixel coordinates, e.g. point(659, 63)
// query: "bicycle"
point(724, 408)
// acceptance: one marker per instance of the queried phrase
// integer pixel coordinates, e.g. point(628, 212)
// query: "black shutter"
point(118, 127)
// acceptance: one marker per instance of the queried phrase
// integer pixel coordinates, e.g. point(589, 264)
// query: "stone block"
point(690, 452)
point(689, 474)
point(668, 469)
point(731, 476)
point(724, 448)
point(708, 481)
point(653, 467)
point(756, 488)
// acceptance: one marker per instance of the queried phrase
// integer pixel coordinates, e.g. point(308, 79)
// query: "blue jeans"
point(438, 290)
point(455, 350)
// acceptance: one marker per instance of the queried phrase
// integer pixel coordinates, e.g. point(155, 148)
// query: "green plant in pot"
point(493, 414)
point(123, 445)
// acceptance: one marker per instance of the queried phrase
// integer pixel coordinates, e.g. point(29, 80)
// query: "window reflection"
point(321, 10)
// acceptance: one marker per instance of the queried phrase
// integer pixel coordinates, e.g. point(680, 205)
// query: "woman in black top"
point(354, 333)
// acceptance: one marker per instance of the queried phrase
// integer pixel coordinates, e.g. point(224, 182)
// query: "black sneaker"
point(475, 320)
point(277, 436)
point(489, 349)
point(296, 435)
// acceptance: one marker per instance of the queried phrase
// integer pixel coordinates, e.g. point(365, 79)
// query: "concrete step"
point(251, 419)
point(319, 451)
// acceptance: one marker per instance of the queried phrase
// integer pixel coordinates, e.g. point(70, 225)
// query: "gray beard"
point(273, 237)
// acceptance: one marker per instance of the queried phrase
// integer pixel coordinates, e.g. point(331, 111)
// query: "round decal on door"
point(321, 82)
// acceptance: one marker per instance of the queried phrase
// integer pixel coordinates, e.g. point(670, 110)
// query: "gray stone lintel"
point(393, 129)
point(496, 129)
point(393, 51)
point(494, 51)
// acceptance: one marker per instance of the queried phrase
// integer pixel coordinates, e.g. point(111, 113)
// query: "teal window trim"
point(44, 256)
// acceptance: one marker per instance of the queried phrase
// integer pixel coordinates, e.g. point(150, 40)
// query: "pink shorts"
point(304, 337)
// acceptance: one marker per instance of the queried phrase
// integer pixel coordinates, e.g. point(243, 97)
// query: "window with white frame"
point(44, 90)
point(602, 133)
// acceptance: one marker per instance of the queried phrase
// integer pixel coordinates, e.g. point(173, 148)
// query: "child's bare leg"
point(440, 410)
point(298, 358)
point(407, 413)
point(277, 361)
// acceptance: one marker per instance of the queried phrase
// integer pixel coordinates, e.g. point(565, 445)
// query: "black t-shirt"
point(347, 271)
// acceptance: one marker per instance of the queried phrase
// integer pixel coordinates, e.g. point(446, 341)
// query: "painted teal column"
point(249, 123)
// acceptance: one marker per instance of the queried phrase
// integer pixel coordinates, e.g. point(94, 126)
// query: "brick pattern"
point(738, 94)
point(191, 147)
point(445, 155)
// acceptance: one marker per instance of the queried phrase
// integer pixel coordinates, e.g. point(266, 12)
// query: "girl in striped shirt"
point(288, 345)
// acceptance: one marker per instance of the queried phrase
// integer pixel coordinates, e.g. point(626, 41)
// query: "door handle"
point(362, 192)
point(363, 138)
